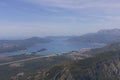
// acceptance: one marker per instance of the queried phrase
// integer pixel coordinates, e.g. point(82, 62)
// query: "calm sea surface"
point(57, 46)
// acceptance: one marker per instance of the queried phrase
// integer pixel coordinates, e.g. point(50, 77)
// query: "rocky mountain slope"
point(103, 66)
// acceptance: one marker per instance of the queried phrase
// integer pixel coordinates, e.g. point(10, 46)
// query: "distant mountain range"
point(87, 64)
point(15, 45)
point(102, 36)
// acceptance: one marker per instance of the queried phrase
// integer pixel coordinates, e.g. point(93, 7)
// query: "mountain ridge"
point(102, 36)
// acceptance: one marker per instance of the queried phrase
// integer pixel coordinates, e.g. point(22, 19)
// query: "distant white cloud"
point(114, 18)
point(77, 4)
point(57, 17)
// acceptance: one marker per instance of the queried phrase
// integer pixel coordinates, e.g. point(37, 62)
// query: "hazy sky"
point(57, 17)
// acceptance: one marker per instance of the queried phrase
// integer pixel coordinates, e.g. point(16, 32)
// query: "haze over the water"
point(57, 17)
